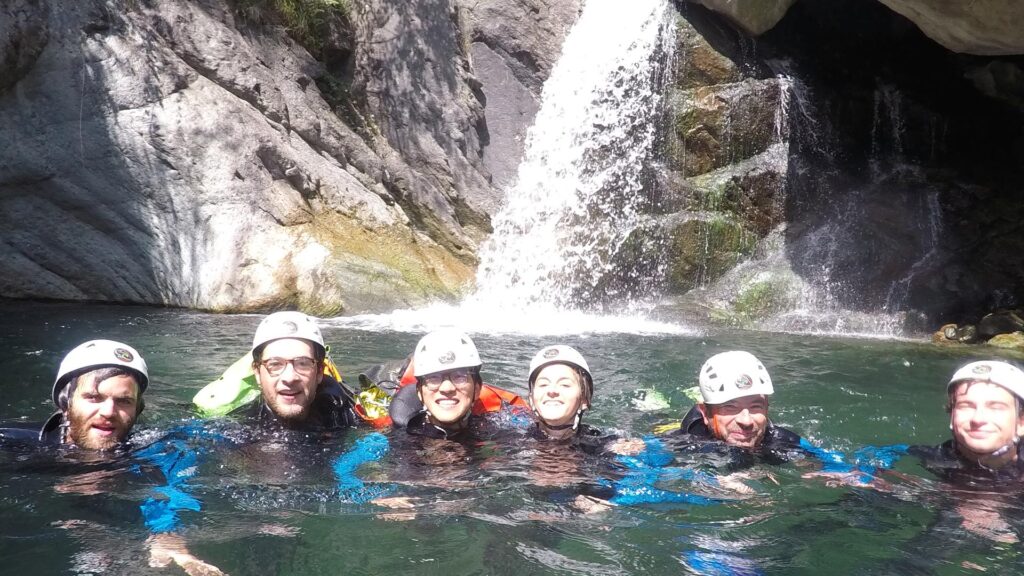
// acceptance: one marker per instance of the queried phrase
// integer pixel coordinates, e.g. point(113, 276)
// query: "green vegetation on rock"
point(761, 299)
point(703, 250)
point(308, 21)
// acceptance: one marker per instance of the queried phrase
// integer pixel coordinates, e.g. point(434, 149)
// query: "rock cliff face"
point(985, 27)
point(815, 191)
point(174, 153)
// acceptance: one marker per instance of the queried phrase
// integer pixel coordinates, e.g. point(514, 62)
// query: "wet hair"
point(952, 394)
point(319, 352)
point(98, 375)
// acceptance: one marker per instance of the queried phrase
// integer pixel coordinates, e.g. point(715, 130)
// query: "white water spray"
point(579, 189)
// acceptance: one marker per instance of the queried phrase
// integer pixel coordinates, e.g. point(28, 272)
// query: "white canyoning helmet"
point(562, 354)
point(443, 350)
point(288, 325)
point(732, 375)
point(99, 354)
point(993, 371)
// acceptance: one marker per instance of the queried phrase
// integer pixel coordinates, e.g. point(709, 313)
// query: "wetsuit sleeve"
point(872, 459)
point(866, 462)
point(369, 448)
point(645, 470)
point(178, 462)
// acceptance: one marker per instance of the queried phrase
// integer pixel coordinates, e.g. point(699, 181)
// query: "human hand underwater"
point(165, 548)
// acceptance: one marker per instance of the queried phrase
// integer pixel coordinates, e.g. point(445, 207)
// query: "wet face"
point(739, 422)
point(984, 418)
point(102, 412)
point(448, 396)
point(289, 376)
point(557, 395)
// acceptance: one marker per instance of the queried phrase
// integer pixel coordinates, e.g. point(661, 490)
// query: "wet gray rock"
point(753, 16)
point(514, 45)
point(983, 27)
point(1002, 322)
point(171, 153)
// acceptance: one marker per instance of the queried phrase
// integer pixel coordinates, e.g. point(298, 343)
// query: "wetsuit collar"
point(55, 424)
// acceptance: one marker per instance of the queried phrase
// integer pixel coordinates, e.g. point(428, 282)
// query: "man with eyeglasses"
point(447, 369)
point(288, 355)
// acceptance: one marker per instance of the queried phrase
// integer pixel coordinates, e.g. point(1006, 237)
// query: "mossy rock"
point(716, 126)
point(698, 63)
point(1014, 341)
point(701, 251)
point(763, 298)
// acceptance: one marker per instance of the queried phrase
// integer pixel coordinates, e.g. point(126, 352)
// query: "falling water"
point(579, 193)
point(932, 219)
point(581, 185)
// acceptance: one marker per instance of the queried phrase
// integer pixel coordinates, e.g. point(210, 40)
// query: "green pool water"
point(269, 508)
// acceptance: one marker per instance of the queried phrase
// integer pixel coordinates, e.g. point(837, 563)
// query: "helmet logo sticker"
point(123, 355)
point(289, 327)
point(446, 358)
point(982, 369)
point(744, 382)
point(551, 353)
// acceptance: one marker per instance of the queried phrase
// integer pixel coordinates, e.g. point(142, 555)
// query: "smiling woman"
point(561, 389)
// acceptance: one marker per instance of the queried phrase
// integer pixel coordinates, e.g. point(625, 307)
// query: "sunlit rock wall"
point(174, 153)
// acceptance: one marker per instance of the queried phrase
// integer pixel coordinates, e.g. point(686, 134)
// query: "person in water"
point(735, 388)
point(97, 395)
point(561, 388)
point(985, 403)
point(561, 391)
point(446, 365)
point(288, 355)
point(983, 457)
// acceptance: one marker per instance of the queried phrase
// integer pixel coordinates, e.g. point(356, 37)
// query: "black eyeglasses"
point(460, 378)
point(302, 365)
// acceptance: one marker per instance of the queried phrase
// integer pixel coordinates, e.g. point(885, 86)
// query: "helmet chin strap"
point(574, 425)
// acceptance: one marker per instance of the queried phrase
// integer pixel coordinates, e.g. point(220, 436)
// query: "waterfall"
point(561, 247)
point(931, 222)
point(580, 189)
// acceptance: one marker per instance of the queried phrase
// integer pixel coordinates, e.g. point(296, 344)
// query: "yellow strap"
point(663, 428)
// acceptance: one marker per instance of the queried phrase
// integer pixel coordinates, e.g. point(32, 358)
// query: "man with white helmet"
point(735, 387)
point(985, 402)
point(288, 354)
point(98, 395)
point(446, 365)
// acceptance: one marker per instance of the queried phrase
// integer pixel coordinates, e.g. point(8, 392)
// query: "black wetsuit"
point(587, 438)
point(332, 409)
point(945, 462)
point(47, 433)
point(420, 425)
point(778, 445)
